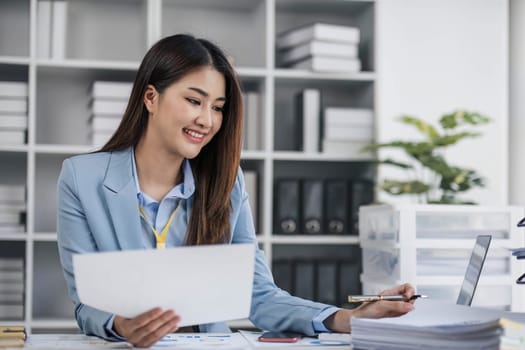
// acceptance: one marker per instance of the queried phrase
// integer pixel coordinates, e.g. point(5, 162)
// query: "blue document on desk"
point(202, 284)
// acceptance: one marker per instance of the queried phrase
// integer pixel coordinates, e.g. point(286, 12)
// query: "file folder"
point(312, 206)
point(336, 212)
point(286, 215)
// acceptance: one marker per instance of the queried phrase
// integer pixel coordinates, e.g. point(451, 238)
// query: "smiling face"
point(188, 113)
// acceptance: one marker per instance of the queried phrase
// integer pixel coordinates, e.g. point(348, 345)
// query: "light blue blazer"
point(97, 211)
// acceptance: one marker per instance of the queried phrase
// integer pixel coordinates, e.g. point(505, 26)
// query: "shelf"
point(88, 64)
point(13, 237)
point(255, 155)
point(45, 237)
point(14, 148)
point(12, 323)
point(64, 149)
point(14, 60)
point(315, 157)
point(304, 75)
point(316, 6)
point(305, 239)
point(54, 323)
point(251, 72)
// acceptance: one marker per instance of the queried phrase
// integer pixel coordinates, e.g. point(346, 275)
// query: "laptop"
point(475, 265)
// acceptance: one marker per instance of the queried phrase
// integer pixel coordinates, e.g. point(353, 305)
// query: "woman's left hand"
point(340, 321)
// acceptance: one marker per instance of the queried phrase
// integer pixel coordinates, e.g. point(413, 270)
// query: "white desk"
point(183, 341)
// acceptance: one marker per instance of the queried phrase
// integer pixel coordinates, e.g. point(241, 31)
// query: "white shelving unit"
point(106, 40)
point(430, 245)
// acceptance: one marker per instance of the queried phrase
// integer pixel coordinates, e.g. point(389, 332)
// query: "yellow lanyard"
point(161, 238)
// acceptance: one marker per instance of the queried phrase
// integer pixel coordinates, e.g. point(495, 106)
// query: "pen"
point(367, 298)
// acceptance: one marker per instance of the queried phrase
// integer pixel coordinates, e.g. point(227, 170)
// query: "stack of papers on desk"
point(367, 334)
point(438, 325)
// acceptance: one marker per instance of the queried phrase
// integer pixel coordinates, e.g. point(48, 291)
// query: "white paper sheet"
point(202, 284)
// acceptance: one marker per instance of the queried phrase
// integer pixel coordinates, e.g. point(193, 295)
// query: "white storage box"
point(430, 245)
point(385, 222)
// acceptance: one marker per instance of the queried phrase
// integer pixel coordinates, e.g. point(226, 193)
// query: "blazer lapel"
point(121, 197)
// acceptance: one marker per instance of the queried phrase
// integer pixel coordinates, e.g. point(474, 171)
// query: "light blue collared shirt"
point(158, 214)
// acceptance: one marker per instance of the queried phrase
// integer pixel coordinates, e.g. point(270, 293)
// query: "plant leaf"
point(450, 139)
point(395, 187)
point(427, 129)
point(410, 148)
point(460, 117)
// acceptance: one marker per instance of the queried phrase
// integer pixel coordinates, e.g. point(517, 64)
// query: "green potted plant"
point(434, 180)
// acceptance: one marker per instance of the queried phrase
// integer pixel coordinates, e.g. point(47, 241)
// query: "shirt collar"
point(183, 190)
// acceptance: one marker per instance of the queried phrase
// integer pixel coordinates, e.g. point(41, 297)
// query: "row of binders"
point(12, 208)
point(324, 280)
point(108, 104)
point(320, 47)
point(316, 206)
point(13, 112)
point(11, 288)
point(341, 131)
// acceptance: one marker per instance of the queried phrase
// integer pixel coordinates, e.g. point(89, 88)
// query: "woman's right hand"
point(148, 328)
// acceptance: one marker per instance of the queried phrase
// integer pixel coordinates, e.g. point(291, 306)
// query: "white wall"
point(436, 56)
point(517, 103)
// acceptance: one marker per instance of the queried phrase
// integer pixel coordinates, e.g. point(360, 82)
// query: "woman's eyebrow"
point(204, 93)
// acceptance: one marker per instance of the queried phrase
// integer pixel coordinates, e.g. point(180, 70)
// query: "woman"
point(170, 176)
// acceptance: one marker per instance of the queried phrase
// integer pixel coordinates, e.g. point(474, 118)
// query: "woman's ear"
point(151, 98)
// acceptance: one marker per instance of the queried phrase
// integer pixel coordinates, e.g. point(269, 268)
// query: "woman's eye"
point(218, 109)
point(193, 101)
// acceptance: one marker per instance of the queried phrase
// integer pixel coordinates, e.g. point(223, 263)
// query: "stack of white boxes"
point(320, 47)
point(108, 104)
point(347, 131)
point(12, 209)
point(430, 245)
point(11, 288)
point(13, 112)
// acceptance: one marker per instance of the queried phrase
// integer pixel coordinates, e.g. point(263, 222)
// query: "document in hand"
point(432, 325)
point(202, 284)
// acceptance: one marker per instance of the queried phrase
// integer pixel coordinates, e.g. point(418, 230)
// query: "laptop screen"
point(475, 265)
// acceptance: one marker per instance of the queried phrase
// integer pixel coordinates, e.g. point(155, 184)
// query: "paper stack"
point(12, 288)
point(320, 47)
point(108, 104)
point(347, 131)
point(12, 208)
point(13, 112)
point(12, 337)
point(436, 325)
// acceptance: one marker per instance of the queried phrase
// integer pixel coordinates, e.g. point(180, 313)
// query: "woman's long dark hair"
point(215, 168)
